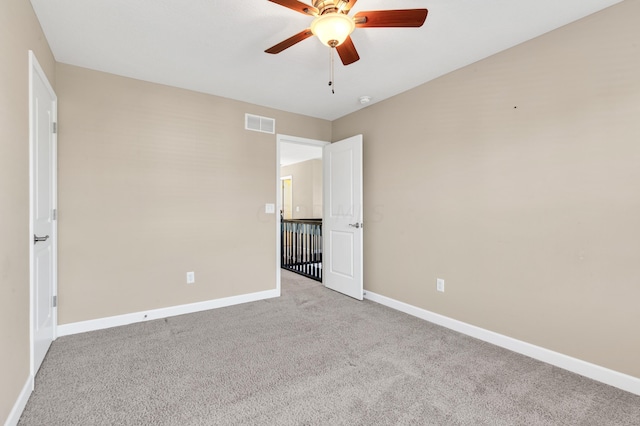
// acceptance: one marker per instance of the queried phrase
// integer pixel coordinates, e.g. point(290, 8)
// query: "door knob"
point(36, 238)
point(355, 225)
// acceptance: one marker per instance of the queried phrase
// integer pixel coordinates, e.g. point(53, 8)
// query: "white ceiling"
point(217, 47)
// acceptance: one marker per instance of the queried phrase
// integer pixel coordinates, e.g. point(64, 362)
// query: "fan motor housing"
point(327, 6)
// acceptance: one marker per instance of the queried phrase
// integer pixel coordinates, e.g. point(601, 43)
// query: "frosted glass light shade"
point(332, 28)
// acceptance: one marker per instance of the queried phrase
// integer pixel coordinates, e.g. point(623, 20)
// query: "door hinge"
point(54, 214)
point(55, 127)
point(55, 301)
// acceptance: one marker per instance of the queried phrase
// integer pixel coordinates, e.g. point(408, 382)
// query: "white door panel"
point(342, 254)
point(341, 186)
point(42, 104)
point(43, 320)
point(342, 219)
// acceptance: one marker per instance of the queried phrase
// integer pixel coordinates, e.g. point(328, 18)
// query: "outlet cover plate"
point(191, 277)
point(440, 284)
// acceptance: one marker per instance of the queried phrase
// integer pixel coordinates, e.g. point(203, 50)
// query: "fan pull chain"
point(331, 77)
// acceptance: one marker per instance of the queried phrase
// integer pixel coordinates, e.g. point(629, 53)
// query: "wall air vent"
point(259, 124)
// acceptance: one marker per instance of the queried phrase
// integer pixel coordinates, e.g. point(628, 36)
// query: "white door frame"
point(35, 70)
point(289, 139)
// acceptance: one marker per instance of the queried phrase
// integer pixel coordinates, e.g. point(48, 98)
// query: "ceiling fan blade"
point(346, 5)
point(290, 41)
point(391, 18)
point(347, 51)
point(297, 6)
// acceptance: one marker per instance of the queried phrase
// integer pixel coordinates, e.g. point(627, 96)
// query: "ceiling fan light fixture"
point(332, 28)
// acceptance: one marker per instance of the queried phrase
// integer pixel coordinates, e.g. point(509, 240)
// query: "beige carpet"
point(311, 357)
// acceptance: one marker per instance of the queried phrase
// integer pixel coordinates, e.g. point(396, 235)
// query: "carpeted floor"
point(310, 357)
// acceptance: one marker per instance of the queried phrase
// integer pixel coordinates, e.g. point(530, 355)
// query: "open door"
point(42, 233)
point(342, 216)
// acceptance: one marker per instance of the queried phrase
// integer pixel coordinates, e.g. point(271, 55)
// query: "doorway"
point(293, 150)
point(340, 245)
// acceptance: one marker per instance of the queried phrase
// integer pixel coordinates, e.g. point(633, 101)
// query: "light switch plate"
point(270, 208)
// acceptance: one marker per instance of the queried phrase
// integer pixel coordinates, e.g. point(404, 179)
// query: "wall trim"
point(118, 320)
point(21, 403)
point(575, 365)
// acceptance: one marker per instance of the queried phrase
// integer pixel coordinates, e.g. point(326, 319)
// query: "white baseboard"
point(20, 403)
point(575, 365)
point(118, 320)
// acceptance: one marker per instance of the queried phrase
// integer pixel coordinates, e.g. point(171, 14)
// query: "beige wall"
point(156, 181)
point(19, 32)
point(517, 180)
point(307, 188)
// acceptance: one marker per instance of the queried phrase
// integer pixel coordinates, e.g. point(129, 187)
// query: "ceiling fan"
point(333, 27)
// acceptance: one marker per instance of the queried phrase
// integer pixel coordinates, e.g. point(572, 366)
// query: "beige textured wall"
point(19, 32)
point(517, 180)
point(307, 188)
point(156, 181)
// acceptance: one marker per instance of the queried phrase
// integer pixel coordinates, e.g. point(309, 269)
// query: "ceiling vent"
point(259, 124)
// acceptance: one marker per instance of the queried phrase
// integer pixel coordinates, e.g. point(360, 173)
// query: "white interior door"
point(342, 216)
point(42, 105)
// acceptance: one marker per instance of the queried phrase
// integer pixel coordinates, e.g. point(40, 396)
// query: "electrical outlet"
point(440, 284)
point(191, 277)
